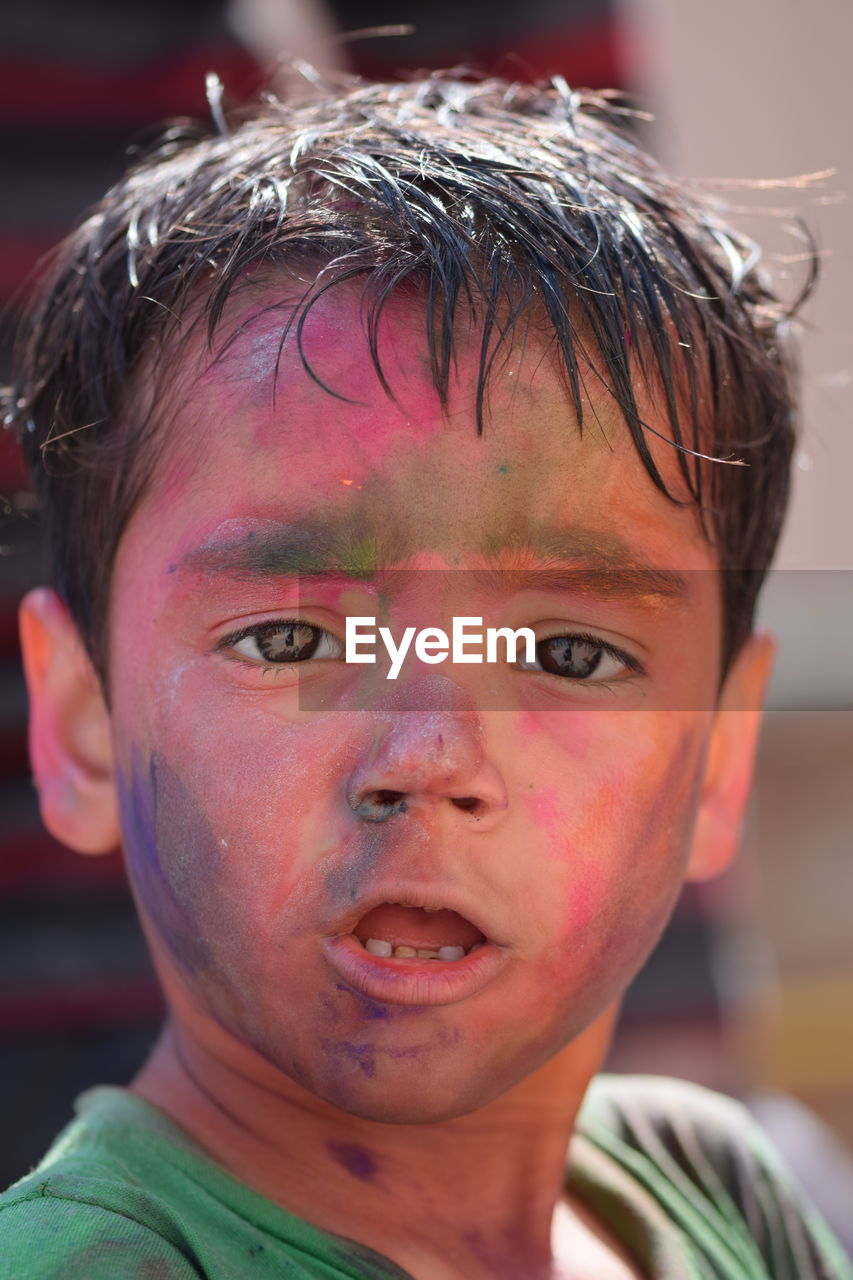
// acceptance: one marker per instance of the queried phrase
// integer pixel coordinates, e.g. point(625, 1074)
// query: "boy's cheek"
point(209, 886)
point(613, 829)
point(625, 778)
point(171, 855)
point(231, 812)
point(622, 870)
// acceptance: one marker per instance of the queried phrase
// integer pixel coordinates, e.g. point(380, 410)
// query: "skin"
point(569, 812)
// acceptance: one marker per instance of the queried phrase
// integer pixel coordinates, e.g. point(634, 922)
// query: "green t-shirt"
point(682, 1176)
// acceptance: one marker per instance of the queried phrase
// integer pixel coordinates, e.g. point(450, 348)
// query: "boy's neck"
point(478, 1195)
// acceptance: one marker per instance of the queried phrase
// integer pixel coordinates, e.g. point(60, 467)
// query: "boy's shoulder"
point(643, 1109)
point(90, 1208)
point(696, 1161)
point(62, 1226)
point(124, 1192)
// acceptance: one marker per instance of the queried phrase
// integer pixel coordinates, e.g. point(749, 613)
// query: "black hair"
point(506, 202)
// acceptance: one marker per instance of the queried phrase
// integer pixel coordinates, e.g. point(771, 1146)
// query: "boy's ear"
point(731, 758)
point(70, 742)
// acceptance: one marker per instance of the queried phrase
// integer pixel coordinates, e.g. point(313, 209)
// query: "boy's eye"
point(285, 641)
point(579, 658)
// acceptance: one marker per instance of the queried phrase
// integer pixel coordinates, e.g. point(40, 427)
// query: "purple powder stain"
point(370, 1009)
point(504, 1257)
point(139, 797)
point(356, 1056)
point(356, 1160)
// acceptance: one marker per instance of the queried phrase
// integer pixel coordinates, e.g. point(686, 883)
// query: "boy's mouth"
point(393, 930)
point(417, 952)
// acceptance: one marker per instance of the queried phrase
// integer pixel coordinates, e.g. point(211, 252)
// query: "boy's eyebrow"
point(626, 583)
point(579, 561)
point(305, 548)
point(584, 561)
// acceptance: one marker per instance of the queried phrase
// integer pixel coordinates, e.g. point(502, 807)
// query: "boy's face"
point(554, 812)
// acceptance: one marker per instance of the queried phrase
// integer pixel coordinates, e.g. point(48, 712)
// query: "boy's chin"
point(410, 1092)
point(397, 1102)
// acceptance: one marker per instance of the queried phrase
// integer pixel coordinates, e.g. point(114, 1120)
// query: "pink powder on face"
point(572, 730)
point(585, 899)
point(632, 802)
point(529, 725)
point(546, 812)
point(261, 375)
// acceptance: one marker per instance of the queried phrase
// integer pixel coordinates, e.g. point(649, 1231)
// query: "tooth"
point(378, 947)
point(427, 955)
point(407, 952)
point(433, 908)
point(451, 953)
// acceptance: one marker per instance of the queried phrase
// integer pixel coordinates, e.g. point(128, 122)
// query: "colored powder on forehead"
point(363, 558)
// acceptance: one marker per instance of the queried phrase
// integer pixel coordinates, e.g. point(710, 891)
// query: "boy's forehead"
point(303, 429)
point(266, 348)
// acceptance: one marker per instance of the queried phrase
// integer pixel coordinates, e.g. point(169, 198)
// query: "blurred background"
point(751, 989)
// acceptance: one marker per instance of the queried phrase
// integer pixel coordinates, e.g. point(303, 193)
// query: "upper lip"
point(416, 896)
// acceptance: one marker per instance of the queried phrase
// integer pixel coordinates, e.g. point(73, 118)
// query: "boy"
point(402, 357)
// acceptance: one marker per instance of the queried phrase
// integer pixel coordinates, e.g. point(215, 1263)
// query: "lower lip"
point(414, 982)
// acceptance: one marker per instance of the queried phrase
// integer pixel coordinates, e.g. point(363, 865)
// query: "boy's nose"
point(427, 759)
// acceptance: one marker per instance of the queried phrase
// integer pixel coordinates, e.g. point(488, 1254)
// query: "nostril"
point(388, 797)
point(469, 803)
point(376, 806)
